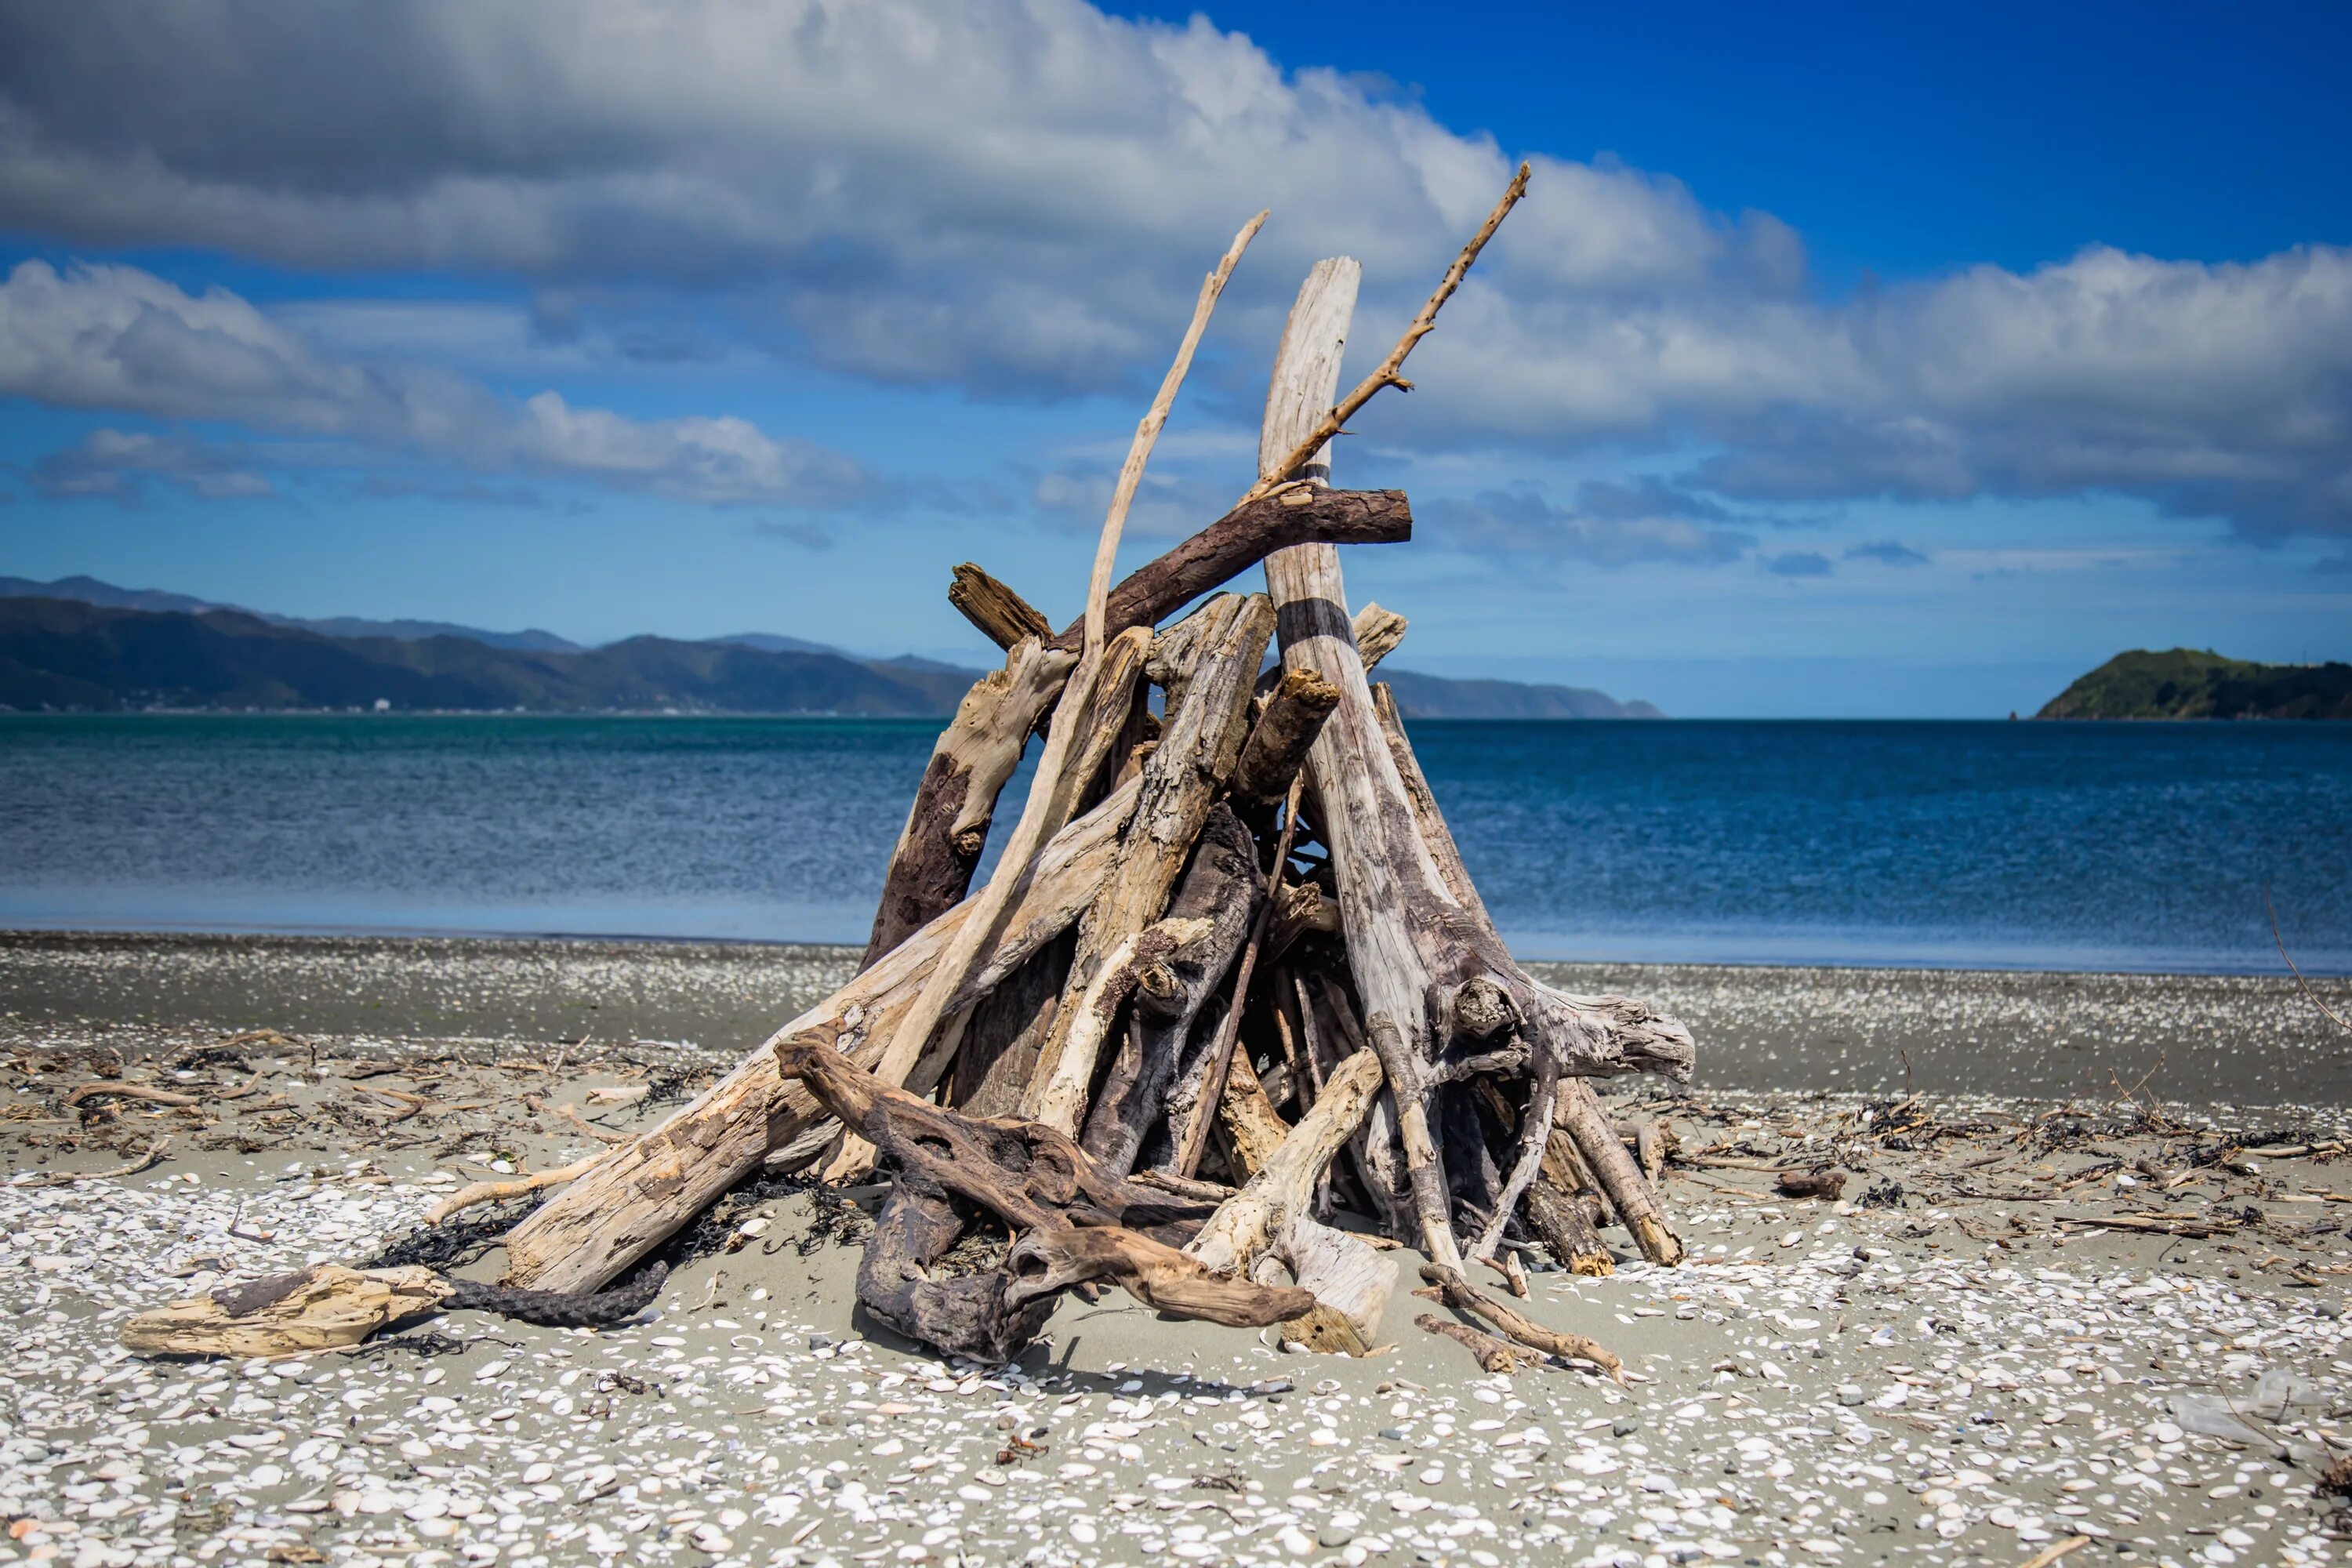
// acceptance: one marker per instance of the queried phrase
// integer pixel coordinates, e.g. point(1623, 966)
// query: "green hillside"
point(2186, 683)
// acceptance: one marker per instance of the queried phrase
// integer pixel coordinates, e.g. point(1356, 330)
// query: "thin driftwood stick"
point(1052, 792)
point(1220, 1052)
point(1333, 423)
point(1494, 1354)
point(1456, 1292)
point(467, 1196)
point(947, 825)
point(641, 1192)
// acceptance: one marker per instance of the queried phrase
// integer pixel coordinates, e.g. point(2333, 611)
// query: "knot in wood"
point(1483, 1009)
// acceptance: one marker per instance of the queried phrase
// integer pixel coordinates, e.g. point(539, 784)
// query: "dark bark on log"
point(1003, 616)
point(1211, 558)
point(967, 1315)
point(1277, 743)
point(1562, 1224)
point(1218, 898)
point(947, 827)
point(1027, 1174)
point(1005, 1033)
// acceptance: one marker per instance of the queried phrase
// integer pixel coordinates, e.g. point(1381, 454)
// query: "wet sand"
point(1965, 1359)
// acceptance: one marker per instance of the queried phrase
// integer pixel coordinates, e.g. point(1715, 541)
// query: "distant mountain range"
point(80, 644)
point(2189, 683)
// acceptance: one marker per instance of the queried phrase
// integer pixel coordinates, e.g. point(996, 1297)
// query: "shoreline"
point(2196, 1039)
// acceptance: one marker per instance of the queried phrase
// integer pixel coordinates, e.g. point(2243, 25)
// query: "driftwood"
point(1274, 1215)
point(1035, 1178)
point(1209, 916)
point(1434, 978)
point(947, 827)
point(327, 1306)
point(1218, 554)
point(1211, 853)
point(1829, 1185)
point(640, 1193)
point(1198, 747)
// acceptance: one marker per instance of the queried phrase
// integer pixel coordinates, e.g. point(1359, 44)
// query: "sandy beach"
point(2087, 1218)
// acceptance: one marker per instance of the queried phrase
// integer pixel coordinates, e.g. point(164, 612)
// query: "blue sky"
point(1837, 363)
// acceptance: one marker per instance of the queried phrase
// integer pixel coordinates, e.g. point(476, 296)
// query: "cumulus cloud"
point(1610, 525)
point(117, 466)
point(1016, 199)
point(1886, 553)
point(121, 339)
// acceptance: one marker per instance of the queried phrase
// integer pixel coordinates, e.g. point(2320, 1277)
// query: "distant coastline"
point(81, 646)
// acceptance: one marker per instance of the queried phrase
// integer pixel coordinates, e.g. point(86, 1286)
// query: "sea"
point(2132, 846)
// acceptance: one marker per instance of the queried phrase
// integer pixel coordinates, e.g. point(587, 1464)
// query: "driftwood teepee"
point(1229, 1005)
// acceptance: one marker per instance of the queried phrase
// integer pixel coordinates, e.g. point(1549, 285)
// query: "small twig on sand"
point(2333, 1015)
point(1448, 1286)
point(1494, 1354)
point(64, 1179)
point(493, 1192)
point(131, 1091)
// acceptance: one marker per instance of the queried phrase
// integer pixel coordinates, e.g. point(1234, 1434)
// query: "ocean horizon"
point(1911, 843)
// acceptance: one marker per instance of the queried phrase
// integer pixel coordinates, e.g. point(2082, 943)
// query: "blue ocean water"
point(2005, 844)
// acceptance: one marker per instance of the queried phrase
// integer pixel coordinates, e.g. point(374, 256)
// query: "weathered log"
point(1412, 946)
point(967, 1315)
point(1581, 1112)
point(1566, 1229)
point(1198, 747)
point(318, 1308)
point(1254, 1130)
point(1213, 905)
point(641, 1192)
point(947, 827)
point(1278, 740)
point(1003, 616)
point(1606, 1152)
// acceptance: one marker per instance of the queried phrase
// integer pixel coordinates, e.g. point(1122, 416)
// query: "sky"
point(1841, 361)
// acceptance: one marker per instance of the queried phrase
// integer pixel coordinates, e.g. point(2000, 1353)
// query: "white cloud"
point(123, 340)
point(1611, 525)
point(1017, 198)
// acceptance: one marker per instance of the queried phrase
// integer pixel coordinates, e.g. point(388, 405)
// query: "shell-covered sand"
point(1962, 1361)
